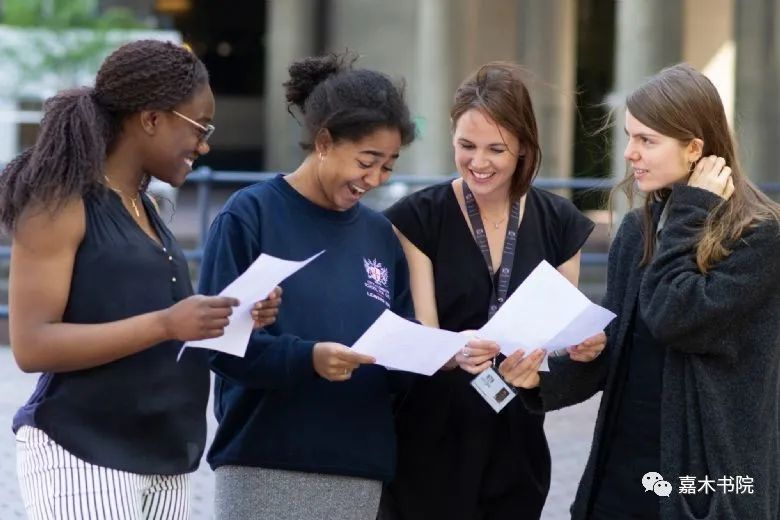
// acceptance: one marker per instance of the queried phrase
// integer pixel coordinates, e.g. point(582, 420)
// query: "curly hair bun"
point(307, 73)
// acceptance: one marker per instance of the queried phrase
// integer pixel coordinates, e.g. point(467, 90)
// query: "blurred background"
point(583, 56)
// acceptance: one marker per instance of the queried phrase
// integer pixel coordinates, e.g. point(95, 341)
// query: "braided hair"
point(349, 103)
point(81, 126)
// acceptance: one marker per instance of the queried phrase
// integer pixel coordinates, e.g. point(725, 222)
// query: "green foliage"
point(67, 38)
point(66, 14)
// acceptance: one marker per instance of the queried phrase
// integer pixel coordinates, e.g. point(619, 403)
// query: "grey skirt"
point(245, 493)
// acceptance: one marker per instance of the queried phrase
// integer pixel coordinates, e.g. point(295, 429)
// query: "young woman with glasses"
point(100, 294)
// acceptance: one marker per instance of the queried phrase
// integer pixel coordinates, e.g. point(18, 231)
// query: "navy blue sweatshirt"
point(274, 410)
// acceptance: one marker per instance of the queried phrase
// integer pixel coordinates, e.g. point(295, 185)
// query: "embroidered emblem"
point(377, 280)
point(376, 271)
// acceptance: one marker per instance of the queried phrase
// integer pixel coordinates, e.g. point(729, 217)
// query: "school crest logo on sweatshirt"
point(376, 281)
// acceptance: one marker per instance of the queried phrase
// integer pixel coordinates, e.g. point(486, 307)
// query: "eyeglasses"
point(205, 131)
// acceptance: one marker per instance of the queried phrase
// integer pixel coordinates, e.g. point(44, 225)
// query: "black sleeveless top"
point(144, 413)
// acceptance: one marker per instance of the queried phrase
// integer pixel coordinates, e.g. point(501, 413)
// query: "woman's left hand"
point(522, 371)
point(265, 311)
point(589, 349)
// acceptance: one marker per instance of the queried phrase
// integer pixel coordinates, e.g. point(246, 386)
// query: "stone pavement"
point(569, 434)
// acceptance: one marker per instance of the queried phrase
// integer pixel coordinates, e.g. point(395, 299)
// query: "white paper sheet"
point(265, 273)
point(545, 311)
point(403, 345)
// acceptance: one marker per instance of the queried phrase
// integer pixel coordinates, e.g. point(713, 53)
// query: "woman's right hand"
point(198, 317)
point(712, 174)
point(477, 355)
point(336, 362)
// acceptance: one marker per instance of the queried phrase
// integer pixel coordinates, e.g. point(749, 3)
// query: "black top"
point(144, 413)
point(457, 457)
point(633, 446)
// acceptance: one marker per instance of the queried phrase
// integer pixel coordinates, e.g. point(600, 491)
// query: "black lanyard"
point(498, 294)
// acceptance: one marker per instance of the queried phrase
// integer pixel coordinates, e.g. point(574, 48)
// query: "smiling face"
point(486, 154)
point(176, 142)
point(347, 170)
point(657, 161)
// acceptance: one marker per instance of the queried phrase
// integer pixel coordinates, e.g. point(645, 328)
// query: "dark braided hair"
point(80, 126)
point(349, 103)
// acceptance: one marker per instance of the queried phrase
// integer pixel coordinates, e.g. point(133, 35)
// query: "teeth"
point(357, 190)
point(482, 175)
point(189, 162)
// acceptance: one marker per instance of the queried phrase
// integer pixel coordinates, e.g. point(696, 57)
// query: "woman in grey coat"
point(689, 420)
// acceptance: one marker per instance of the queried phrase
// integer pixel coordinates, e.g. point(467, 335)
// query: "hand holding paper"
point(401, 344)
point(265, 273)
point(588, 350)
point(336, 362)
point(264, 312)
point(522, 371)
point(545, 311)
point(477, 355)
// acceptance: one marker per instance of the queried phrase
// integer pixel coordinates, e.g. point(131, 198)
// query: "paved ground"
point(569, 433)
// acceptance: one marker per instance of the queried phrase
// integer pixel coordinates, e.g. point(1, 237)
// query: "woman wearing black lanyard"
point(458, 459)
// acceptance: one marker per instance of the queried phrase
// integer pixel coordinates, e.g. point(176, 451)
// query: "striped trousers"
point(57, 485)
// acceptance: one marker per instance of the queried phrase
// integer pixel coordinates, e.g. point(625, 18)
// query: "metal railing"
point(207, 179)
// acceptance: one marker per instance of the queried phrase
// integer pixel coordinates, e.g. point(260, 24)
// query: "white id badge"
point(493, 389)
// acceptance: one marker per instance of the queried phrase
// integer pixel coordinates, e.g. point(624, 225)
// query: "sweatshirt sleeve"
point(271, 361)
point(688, 310)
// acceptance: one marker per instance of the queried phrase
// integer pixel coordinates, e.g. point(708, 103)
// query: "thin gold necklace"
point(122, 195)
point(495, 224)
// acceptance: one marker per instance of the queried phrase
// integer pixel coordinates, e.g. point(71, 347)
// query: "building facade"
point(582, 55)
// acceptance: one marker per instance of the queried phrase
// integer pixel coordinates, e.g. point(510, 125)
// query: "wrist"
point(162, 325)
point(695, 196)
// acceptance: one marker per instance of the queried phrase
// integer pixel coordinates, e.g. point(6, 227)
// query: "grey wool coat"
point(720, 402)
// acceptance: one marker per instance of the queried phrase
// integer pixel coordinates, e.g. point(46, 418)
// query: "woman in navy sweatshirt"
point(305, 424)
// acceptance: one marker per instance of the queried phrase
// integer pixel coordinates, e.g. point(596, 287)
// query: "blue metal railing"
point(206, 179)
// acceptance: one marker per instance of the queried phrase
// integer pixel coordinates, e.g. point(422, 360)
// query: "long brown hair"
point(680, 102)
point(497, 88)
